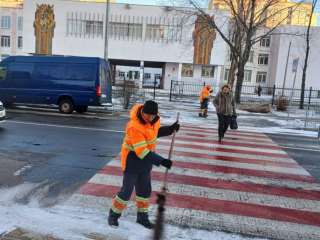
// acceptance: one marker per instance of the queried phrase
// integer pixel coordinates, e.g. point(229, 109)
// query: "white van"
point(2, 113)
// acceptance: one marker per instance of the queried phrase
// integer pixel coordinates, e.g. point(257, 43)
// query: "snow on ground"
point(67, 222)
point(73, 223)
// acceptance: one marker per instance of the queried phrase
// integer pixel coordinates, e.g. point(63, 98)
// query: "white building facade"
point(279, 54)
point(146, 45)
point(268, 58)
point(11, 17)
point(139, 36)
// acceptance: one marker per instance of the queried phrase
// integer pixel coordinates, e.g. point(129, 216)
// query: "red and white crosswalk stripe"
point(245, 184)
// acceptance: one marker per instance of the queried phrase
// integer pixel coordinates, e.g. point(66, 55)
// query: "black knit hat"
point(150, 107)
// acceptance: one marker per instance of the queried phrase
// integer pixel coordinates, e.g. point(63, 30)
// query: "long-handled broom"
point(162, 196)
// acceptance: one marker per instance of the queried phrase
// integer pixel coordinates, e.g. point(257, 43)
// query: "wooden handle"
point(169, 157)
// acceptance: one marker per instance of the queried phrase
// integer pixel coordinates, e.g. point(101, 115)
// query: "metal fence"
point(190, 91)
point(126, 94)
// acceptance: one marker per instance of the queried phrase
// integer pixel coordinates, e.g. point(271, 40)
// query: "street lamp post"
point(106, 37)
point(285, 71)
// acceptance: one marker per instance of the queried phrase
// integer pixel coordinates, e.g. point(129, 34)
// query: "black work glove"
point(175, 126)
point(166, 163)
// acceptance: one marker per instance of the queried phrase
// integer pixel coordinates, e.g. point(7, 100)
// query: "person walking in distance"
point(259, 90)
point(204, 99)
point(137, 158)
point(224, 104)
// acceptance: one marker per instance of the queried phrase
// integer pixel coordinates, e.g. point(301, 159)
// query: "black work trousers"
point(224, 122)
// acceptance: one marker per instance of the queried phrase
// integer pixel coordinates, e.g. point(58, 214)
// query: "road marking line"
point(61, 126)
point(214, 205)
point(197, 190)
point(305, 149)
point(210, 220)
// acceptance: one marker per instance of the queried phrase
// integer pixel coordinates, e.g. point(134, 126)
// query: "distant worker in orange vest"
point(204, 99)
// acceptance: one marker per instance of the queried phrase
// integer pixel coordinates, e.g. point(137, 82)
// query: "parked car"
point(72, 83)
point(2, 113)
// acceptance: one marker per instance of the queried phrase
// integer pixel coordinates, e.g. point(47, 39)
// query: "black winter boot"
point(113, 219)
point(143, 219)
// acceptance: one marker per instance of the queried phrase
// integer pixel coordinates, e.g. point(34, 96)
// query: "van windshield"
point(3, 71)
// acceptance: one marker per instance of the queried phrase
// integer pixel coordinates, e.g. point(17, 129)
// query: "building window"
point(81, 27)
point(265, 42)
point(3, 56)
point(251, 57)
point(226, 74)
point(247, 75)
point(147, 76)
point(94, 28)
point(20, 23)
point(122, 74)
point(230, 56)
point(207, 71)
point(19, 42)
point(164, 32)
point(5, 41)
point(157, 76)
point(134, 74)
point(231, 36)
point(187, 71)
point(261, 77)
point(125, 29)
point(154, 31)
point(5, 22)
point(263, 59)
point(76, 26)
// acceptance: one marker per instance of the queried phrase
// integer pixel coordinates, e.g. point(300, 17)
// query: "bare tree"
point(305, 65)
point(252, 20)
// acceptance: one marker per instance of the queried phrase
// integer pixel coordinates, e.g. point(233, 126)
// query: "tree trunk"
point(303, 85)
point(232, 72)
point(240, 76)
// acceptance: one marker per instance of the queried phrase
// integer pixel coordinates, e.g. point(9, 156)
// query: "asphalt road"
point(304, 150)
point(57, 153)
point(60, 153)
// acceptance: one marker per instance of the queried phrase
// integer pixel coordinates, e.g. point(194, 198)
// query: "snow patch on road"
point(70, 222)
point(74, 223)
point(22, 170)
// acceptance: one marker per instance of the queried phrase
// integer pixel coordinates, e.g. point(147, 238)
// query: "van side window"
point(80, 73)
point(3, 71)
point(21, 71)
point(48, 72)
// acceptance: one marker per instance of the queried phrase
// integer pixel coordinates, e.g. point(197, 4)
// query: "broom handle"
point(170, 153)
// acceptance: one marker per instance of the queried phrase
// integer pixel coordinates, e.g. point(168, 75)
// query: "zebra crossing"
point(244, 184)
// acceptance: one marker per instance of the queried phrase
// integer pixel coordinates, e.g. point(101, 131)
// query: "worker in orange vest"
point(204, 99)
point(137, 158)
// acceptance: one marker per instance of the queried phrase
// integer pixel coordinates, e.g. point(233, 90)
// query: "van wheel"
point(66, 106)
point(81, 109)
